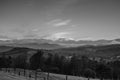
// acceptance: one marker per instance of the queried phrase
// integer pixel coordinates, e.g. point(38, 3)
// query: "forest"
point(55, 63)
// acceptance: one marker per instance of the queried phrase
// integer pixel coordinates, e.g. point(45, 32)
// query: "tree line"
point(54, 63)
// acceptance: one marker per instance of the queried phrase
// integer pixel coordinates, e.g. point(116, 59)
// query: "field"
point(30, 74)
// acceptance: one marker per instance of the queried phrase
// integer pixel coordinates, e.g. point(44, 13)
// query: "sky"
point(54, 19)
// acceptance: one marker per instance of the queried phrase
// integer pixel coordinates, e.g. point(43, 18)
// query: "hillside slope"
point(93, 51)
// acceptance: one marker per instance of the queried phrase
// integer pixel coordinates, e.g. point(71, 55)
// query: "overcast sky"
point(53, 19)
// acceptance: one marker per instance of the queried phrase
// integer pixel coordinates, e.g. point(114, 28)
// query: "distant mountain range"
point(60, 43)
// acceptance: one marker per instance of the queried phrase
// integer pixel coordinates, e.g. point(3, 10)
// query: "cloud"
point(3, 37)
point(63, 23)
point(54, 21)
point(58, 35)
point(59, 22)
point(85, 38)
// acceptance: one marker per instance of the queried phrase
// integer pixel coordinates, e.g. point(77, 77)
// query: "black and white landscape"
point(59, 40)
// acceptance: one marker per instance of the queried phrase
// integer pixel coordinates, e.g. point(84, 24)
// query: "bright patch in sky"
point(59, 22)
point(59, 35)
point(63, 23)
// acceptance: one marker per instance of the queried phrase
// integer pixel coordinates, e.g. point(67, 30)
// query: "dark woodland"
point(73, 64)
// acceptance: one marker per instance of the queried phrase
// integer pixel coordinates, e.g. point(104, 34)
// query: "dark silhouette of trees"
point(48, 62)
point(115, 69)
point(89, 73)
point(9, 61)
point(103, 71)
point(55, 63)
point(62, 64)
point(37, 60)
point(5, 61)
point(73, 65)
point(20, 61)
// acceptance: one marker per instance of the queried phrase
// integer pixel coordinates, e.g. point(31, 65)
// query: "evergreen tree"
point(36, 61)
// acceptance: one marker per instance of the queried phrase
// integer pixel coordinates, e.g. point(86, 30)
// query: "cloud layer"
point(59, 22)
point(58, 35)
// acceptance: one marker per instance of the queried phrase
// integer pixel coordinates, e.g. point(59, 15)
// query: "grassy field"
point(8, 76)
point(42, 75)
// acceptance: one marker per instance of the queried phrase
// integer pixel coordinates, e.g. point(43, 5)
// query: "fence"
point(38, 75)
point(24, 72)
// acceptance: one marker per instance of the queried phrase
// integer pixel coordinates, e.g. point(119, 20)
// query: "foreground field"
point(7, 76)
point(19, 75)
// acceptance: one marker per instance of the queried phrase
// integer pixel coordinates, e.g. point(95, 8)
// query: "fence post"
point(29, 75)
point(66, 77)
point(9, 70)
point(19, 73)
point(14, 70)
point(24, 72)
point(88, 78)
point(36, 75)
point(48, 76)
point(44, 78)
point(6, 69)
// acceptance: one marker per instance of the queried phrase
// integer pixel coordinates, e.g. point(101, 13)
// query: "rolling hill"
point(106, 51)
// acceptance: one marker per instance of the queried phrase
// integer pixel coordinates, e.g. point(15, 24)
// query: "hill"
point(5, 48)
point(105, 51)
point(96, 51)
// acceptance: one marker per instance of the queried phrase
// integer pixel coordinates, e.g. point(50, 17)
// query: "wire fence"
point(38, 75)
